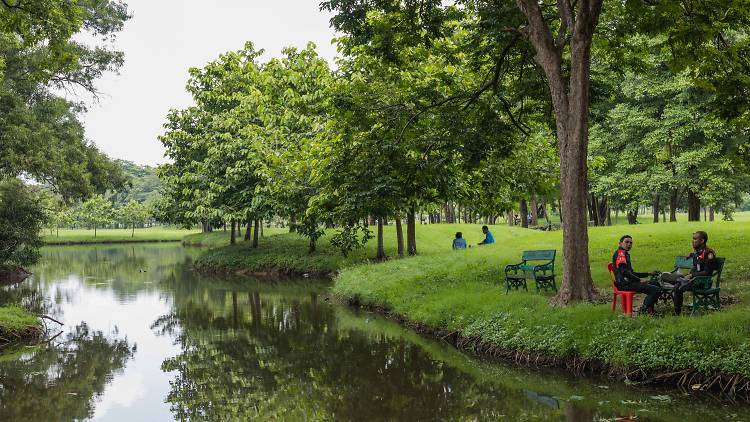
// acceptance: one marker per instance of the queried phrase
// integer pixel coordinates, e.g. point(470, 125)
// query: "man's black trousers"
point(652, 292)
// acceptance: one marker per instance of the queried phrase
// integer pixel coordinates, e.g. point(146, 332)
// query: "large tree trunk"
point(595, 208)
point(256, 229)
point(248, 230)
point(232, 235)
point(633, 216)
point(570, 101)
point(656, 208)
point(293, 223)
point(694, 206)
point(673, 202)
point(710, 213)
point(524, 211)
point(399, 237)
point(534, 211)
point(603, 210)
point(609, 215)
point(411, 233)
point(381, 247)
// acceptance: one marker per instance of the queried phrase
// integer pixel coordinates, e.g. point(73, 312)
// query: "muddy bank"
point(728, 386)
point(13, 275)
point(28, 335)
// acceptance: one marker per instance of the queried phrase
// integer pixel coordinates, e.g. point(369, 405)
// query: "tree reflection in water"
point(248, 354)
point(60, 382)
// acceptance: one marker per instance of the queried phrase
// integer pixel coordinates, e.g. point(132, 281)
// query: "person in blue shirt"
point(488, 238)
point(459, 242)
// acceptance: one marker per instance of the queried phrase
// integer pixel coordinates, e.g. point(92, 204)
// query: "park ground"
point(82, 236)
point(459, 294)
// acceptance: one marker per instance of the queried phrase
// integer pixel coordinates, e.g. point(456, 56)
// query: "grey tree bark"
point(570, 101)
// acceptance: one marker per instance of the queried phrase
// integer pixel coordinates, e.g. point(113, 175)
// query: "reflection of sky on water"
point(129, 316)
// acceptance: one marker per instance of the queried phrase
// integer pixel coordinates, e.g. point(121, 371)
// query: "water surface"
point(145, 338)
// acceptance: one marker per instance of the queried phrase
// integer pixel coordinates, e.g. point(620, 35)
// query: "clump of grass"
point(17, 324)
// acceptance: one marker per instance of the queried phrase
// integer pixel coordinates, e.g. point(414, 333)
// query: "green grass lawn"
point(462, 291)
point(152, 234)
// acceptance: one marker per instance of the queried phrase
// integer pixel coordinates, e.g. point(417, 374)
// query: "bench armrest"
point(545, 267)
point(515, 268)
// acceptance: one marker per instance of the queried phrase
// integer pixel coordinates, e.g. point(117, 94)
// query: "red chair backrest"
point(611, 268)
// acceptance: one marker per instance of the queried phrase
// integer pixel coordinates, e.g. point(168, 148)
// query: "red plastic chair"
point(627, 296)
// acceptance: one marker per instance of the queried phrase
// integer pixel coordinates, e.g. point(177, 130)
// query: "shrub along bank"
point(459, 295)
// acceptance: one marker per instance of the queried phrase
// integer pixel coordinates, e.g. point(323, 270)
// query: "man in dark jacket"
point(704, 264)
point(627, 279)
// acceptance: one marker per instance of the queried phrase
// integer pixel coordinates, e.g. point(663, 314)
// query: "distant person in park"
point(629, 280)
point(459, 242)
point(704, 264)
point(488, 238)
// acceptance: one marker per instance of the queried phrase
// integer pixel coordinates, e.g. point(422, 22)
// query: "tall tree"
point(561, 37)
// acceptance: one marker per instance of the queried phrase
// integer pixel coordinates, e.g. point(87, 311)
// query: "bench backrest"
point(682, 263)
point(547, 255)
point(719, 269)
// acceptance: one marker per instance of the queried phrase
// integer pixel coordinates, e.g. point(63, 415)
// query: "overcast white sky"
point(165, 38)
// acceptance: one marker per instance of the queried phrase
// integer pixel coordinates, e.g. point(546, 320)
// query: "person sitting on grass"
point(704, 264)
point(488, 238)
point(459, 242)
point(629, 280)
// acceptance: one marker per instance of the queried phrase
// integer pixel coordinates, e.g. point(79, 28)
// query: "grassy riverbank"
point(82, 237)
point(461, 293)
point(281, 250)
point(17, 325)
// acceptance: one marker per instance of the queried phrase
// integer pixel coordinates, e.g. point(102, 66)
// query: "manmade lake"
point(147, 339)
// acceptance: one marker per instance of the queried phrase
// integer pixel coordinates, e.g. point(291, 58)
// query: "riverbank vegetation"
point(45, 157)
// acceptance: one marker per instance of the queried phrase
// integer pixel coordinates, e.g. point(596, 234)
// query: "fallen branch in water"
point(51, 319)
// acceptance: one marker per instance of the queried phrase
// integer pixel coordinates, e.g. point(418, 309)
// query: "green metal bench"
point(706, 289)
point(543, 273)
